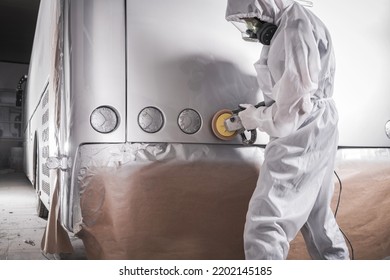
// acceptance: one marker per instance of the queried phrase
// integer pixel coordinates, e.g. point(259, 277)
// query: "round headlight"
point(387, 128)
point(150, 119)
point(189, 121)
point(104, 119)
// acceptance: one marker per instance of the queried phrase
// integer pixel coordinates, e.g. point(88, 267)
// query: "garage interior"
point(362, 213)
point(21, 230)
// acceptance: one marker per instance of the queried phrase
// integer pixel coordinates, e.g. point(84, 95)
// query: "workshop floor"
point(363, 215)
point(21, 230)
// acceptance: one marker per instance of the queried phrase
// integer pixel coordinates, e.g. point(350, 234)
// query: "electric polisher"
point(226, 125)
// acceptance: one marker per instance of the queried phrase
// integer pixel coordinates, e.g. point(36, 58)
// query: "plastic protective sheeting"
point(363, 213)
point(165, 201)
point(172, 201)
point(55, 238)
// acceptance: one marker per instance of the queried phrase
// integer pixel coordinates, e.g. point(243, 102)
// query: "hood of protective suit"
point(265, 10)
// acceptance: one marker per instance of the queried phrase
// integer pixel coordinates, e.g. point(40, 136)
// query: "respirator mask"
point(256, 30)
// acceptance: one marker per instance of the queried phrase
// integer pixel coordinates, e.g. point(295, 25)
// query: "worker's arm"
point(294, 64)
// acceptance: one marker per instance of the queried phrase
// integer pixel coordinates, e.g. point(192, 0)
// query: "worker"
point(296, 75)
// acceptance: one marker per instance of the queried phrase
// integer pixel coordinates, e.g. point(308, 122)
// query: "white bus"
point(116, 87)
point(119, 100)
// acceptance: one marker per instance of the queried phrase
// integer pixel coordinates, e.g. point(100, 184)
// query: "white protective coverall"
point(295, 186)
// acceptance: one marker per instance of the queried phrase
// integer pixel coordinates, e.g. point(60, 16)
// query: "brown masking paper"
point(195, 209)
point(167, 211)
point(363, 214)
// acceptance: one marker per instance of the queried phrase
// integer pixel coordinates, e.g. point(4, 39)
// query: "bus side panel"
point(97, 68)
point(94, 75)
point(37, 83)
point(185, 55)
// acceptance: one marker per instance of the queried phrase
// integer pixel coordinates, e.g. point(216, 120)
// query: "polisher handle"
point(251, 140)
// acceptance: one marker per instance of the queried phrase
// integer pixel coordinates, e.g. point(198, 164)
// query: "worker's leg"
point(280, 206)
point(323, 237)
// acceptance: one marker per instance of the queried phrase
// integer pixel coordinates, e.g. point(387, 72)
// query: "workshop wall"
point(11, 145)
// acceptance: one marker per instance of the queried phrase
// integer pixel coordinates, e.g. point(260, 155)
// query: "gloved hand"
point(248, 116)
